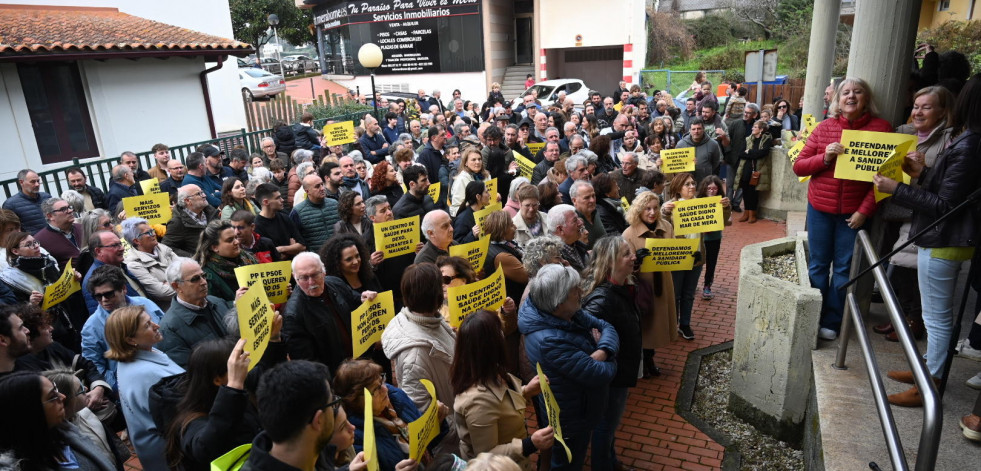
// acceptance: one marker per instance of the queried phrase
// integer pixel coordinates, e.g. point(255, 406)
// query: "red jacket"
point(827, 193)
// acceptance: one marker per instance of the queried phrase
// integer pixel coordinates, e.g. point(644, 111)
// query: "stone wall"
point(786, 192)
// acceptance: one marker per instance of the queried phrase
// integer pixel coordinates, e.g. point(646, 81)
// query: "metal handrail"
point(926, 458)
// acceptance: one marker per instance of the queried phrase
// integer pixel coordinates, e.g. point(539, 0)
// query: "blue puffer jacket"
point(580, 383)
point(28, 210)
point(389, 451)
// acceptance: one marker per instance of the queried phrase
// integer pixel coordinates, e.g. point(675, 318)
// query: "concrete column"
point(820, 54)
point(882, 51)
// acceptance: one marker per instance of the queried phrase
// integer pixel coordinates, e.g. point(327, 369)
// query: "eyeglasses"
point(150, 232)
point(56, 397)
point(334, 404)
point(112, 246)
point(30, 245)
point(66, 209)
point(315, 276)
point(82, 390)
point(104, 295)
point(783, 107)
point(194, 279)
point(107, 224)
point(446, 280)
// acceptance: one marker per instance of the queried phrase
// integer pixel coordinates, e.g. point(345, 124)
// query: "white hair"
point(305, 256)
point(576, 185)
point(174, 270)
point(552, 285)
point(430, 220)
point(556, 215)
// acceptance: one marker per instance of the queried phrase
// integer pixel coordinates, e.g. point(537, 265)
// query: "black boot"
point(650, 369)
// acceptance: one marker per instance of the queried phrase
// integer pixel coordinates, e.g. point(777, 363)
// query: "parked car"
point(260, 83)
point(300, 64)
point(246, 63)
point(549, 89)
point(271, 65)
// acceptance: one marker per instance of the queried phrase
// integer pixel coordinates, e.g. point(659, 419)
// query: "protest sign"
point(892, 168)
point(475, 252)
point(275, 278)
point(698, 215)
point(552, 410)
point(534, 147)
point(624, 204)
point(423, 430)
point(678, 160)
point(370, 447)
point(397, 237)
point(478, 216)
point(434, 191)
point(369, 320)
point(669, 255)
point(484, 294)
point(793, 154)
point(866, 151)
point(339, 133)
point(255, 319)
point(525, 167)
point(155, 207)
point(491, 186)
point(150, 186)
point(61, 289)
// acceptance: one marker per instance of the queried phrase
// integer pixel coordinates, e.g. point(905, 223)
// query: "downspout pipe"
point(207, 96)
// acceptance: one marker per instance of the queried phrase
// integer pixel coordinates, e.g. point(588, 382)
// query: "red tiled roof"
point(27, 30)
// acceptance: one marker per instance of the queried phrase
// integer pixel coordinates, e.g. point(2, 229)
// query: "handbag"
point(754, 178)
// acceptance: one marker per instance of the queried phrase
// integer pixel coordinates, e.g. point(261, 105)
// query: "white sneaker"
point(974, 382)
point(825, 333)
point(964, 350)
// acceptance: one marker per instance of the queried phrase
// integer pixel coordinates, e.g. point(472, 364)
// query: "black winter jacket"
point(615, 304)
point(612, 220)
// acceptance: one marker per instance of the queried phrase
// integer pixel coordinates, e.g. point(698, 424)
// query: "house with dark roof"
point(81, 81)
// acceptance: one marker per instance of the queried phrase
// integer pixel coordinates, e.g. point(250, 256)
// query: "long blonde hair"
point(602, 260)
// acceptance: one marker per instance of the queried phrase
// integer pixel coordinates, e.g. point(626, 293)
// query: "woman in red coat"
point(836, 208)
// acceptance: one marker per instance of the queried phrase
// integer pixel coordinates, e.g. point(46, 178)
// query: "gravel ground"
point(759, 451)
point(781, 266)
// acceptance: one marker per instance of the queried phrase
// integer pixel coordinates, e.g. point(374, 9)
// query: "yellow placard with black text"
point(552, 410)
point(475, 252)
point(669, 255)
point(397, 237)
point(434, 191)
point(866, 151)
point(678, 160)
point(150, 186)
point(525, 167)
point(275, 278)
point(478, 216)
point(534, 147)
point(698, 215)
point(423, 430)
point(491, 187)
point(484, 294)
point(624, 204)
point(892, 168)
point(155, 207)
point(794, 153)
point(370, 447)
point(369, 320)
point(61, 289)
point(255, 319)
point(339, 133)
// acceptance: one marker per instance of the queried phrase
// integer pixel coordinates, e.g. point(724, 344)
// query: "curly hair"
point(638, 205)
point(346, 205)
point(330, 254)
point(460, 265)
point(379, 179)
point(541, 251)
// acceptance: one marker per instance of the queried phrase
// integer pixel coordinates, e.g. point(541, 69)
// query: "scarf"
point(43, 268)
point(351, 182)
point(225, 267)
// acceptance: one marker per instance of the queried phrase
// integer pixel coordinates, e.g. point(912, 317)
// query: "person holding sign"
point(219, 254)
point(465, 228)
point(941, 252)
point(346, 258)
point(489, 408)
point(421, 343)
point(578, 362)
point(392, 410)
point(836, 208)
point(682, 188)
point(712, 241)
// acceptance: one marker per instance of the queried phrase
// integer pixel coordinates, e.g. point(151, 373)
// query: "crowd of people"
point(151, 346)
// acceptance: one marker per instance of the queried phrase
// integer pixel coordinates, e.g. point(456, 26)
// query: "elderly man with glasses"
point(191, 215)
point(62, 237)
point(107, 249)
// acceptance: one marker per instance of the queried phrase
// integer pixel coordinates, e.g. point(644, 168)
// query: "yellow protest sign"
point(678, 160)
point(552, 410)
point(525, 167)
point(698, 215)
point(434, 191)
point(534, 147)
point(484, 294)
point(793, 154)
point(150, 186)
point(370, 447)
point(866, 151)
point(809, 123)
point(155, 207)
point(423, 430)
point(339, 133)
point(275, 278)
point(368, 321)
point(669, 255)
point(891, 168)
point(491, 187)
point(62, 288)
point(624, 204)
point(475, 252)
point(255, 319)
point(397, 237)
point(478, 216)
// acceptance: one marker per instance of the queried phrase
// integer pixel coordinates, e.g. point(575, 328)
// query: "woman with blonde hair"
point(131, 335)
point(471, 169)
point(654, 292)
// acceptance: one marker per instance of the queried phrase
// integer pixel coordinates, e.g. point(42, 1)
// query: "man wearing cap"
point(213, 159)
point(197, 174)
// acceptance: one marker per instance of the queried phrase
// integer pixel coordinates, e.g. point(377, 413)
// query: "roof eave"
point(211, 54)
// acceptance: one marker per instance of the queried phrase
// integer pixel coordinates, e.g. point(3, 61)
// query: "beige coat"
point(492, 419)
point(658, 317)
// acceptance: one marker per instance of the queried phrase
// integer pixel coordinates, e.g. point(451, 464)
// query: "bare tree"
point(762, 13)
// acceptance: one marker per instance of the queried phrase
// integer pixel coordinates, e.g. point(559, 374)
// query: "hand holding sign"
point(275, 278)
point(255, 319)
point(397, 237)
point(61, 289)
point(678, 160)
point(864, 152)
point(368, 321)
point(552, 410)
point(669, 255)
point(475, 252)
point(698, 215)
point(423, 430)
point(370, 446)
point(339, 133)
point(484, 294)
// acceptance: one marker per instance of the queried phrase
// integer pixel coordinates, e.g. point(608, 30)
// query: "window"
point(943, 5)
point(58, 109)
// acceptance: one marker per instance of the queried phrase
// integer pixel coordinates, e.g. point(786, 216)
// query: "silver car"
point(259, 83)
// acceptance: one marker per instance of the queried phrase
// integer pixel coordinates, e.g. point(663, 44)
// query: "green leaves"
point(249, 22)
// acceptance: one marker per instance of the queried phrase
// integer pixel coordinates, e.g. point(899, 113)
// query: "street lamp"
point(370, 56)
point(273, 20)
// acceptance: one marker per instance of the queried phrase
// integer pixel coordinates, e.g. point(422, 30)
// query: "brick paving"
point(652, 436)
